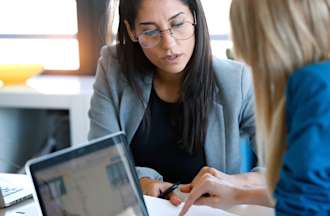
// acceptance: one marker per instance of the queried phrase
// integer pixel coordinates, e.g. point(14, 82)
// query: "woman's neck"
point(168, 86)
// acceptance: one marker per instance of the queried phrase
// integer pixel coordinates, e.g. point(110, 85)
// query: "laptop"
point(98, 178)
point(13, 189)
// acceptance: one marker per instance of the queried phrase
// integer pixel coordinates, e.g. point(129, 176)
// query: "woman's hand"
point(213, 188)
point(153, 188)
point(219, 190)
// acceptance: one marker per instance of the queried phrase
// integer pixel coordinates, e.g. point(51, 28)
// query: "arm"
point(252, 189)
point(103, 113)
point(228, 190)
point(256, 189)
point(104, 118)
point(247, 111)
point(247, 116)
point(104, 109)
point(224, 191)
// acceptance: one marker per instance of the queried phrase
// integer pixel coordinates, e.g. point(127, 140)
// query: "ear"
point(131, 33)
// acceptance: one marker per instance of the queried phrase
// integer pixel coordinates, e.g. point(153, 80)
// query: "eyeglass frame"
point(137, 38)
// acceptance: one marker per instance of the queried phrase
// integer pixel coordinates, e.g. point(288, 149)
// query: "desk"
point(27, 208)
point(70, 93)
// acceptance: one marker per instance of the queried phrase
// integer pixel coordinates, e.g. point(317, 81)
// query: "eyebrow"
point(171, 18)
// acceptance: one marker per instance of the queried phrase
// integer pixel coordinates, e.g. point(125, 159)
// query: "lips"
point(172, 59)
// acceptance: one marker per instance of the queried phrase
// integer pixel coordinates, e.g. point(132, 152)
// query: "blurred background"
point(48, 112)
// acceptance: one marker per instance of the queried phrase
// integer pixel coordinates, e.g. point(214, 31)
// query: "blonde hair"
point(275, 37)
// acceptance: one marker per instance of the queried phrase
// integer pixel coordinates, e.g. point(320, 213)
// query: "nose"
point(167, 39)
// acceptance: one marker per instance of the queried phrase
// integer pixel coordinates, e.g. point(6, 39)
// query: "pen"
point(169, 190)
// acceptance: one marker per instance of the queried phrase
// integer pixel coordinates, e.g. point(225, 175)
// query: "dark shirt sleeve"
point(304, 186)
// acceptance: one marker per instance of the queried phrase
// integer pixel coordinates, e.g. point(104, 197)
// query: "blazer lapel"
point(215, 142)
point(131, 109)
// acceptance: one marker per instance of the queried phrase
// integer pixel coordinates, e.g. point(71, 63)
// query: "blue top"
point(304, 186)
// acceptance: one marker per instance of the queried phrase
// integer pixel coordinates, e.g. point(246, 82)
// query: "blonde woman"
point(287, 44)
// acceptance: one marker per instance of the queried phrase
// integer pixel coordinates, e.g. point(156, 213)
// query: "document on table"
point(159, 207)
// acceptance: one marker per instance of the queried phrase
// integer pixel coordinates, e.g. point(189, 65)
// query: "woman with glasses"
point(182, 110)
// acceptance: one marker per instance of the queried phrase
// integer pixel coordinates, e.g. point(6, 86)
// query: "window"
point(63, 35)
point(217, 16)
point(39, 31)
point(66, 35)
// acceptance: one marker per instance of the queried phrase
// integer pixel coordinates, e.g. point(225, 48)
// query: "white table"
point(70, 93)
point(27, 208)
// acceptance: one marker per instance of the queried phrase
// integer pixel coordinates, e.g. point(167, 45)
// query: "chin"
point(174, 69)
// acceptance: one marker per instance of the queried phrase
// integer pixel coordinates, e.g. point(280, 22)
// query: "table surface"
point(27, 208)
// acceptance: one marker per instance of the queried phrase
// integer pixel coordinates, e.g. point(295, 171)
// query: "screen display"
point(94, 180)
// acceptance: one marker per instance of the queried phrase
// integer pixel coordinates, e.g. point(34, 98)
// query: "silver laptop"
point(98, 178)
point(13, 189)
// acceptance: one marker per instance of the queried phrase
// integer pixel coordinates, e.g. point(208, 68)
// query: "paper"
point(159, 207)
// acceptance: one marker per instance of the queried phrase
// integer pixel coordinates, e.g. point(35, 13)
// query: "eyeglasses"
point(180, 31)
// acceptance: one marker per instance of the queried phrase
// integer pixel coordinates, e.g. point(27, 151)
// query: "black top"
point(160, 148)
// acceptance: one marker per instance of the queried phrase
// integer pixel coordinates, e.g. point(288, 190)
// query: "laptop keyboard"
point(6, 191)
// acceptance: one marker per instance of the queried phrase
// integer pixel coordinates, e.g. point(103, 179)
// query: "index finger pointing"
point(198, 191)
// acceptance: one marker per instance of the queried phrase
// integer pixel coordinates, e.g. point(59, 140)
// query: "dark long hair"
point(198, 85)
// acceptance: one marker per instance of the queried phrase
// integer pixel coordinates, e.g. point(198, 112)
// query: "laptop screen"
point(95, 179)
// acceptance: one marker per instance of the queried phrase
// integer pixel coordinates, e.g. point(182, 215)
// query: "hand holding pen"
point(152, 187)
point(169, 190)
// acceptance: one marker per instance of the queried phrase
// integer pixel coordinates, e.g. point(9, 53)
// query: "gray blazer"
point(115, 107)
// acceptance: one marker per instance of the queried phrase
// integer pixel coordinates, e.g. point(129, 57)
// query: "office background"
point(66, 36)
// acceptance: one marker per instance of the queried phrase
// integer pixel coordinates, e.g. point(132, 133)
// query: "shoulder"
point(108, 61)
point(227, 66)
point(309, 83)
point(307, 96)
point(108, 73)
point(232, 77)
point(309, 74)
point(307, 100)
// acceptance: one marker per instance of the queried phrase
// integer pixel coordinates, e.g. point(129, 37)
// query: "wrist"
point(243, 195)
point(253, 196)
point(249, 179)
point(145, 179)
